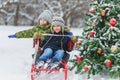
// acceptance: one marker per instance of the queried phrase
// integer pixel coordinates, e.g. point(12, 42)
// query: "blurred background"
point(26, 12)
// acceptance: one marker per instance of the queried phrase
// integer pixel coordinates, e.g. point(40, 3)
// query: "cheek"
point(45, 22)
point(57, 29)
point(41, 22)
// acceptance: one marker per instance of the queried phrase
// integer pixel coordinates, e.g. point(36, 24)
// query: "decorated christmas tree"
point(99, 45)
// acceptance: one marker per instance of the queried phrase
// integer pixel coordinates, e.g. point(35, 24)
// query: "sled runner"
point(35, 71)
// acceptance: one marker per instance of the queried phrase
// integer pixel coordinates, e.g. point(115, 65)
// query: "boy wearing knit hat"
point(54, 46)
point(46, 15)
point(43, 26)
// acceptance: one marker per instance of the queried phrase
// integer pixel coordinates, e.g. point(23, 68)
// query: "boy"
point(43, 26)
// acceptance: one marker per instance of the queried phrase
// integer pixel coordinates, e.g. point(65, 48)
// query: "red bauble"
point(85, 68)
point(78, 43)
point(112, 22)
point(108, 63)
point(91, 33)
point(91, 10)
point(79, 58)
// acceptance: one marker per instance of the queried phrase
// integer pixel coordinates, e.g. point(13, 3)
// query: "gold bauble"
point(114, 48)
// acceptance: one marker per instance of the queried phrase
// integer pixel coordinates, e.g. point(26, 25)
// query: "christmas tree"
point(99, 44)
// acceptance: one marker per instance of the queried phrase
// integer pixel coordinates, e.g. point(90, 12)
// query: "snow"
point(15, 56)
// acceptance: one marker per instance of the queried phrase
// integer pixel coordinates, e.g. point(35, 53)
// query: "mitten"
point(67, 28)
point(12, 36)
point(73, 38)
point(36, 36)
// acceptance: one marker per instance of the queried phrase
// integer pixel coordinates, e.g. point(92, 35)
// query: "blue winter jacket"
point(56, 42)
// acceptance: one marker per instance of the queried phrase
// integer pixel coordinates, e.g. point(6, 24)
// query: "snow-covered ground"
point(15, 56)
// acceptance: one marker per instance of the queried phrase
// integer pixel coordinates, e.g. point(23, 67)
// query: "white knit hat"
point(59, 21)
point(47, 15)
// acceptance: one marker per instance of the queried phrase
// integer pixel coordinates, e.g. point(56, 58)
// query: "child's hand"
point(67, 28)
point(73, 38)
point(36, 35)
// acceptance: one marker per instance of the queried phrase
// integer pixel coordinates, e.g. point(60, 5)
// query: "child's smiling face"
point(43, 22)
point(56, 28)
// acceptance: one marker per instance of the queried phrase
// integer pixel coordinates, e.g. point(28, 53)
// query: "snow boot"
point(52, 65)
point(40, 64)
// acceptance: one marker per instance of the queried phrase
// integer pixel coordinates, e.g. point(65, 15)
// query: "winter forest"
point(26, 12)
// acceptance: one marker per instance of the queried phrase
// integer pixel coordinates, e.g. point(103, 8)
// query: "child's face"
point(56, 28)
point(43, 22)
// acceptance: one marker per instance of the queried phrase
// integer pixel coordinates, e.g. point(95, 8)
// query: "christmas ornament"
point(78, 43)
point(85, 68)
point(108, 63)
point(114, 48)
point(112, 22)
point(102, 13)
point(91, 10)
point(79, 58)
point(100, 9)
point(91, 33)
point(99, 51)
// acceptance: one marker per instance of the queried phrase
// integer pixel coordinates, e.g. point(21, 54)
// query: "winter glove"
point(67, 28)
point(36, 36)
point(73, 38)
point(12, 36)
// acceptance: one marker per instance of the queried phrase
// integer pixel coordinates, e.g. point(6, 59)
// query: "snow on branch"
point(61, 10)
point(48, 6)
point(26, 15)
point(5, 12)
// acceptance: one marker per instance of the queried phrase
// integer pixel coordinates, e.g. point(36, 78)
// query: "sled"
point(35, 71)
